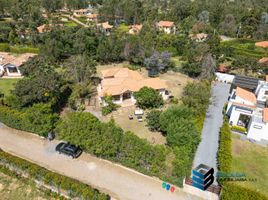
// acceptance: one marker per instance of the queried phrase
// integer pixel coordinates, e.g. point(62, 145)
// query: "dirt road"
point(119, 182)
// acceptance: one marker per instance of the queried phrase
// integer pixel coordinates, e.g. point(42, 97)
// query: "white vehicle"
point(139, 112)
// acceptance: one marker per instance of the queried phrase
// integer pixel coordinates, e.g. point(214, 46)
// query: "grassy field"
point(18, 189)
point(70, 24)
point(246, 47)
point(6, 85)
point(252, 160)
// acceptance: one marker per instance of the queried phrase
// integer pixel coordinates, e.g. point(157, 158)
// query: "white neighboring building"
point(10, 63)
point(223, 77)
point(247, 109)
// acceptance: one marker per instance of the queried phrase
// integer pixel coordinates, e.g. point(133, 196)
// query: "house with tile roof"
point(121, 83)
point(166, 26)
point(135, 29)
point(199, 37)
point(249, 109)
point(263, 44)
point(10, 63)
point(105, 28)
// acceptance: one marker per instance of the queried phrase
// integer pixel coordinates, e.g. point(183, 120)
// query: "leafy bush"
point(177, 122)
point(37, 119)
point(234, 192)
point(110, 107)
point(4, 47)
point(153, 120)
point(73, 187)
point(239, 129)
point(196, 96)
point(148, 98)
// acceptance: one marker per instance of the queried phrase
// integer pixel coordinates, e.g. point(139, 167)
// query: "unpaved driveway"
point(120, 182)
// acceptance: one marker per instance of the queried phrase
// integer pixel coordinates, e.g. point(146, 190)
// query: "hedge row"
point(110, 142)
point(72, 187)
point(18, 49)
point(239, 129)
point(38, 119)
point(231, 191)
point(225, 148)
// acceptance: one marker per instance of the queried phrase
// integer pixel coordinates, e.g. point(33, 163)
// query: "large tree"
point(148, 98)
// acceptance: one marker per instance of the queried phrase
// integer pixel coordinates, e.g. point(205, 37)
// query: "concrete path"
point(76, 21)
point(208, 147)
point(113, 179)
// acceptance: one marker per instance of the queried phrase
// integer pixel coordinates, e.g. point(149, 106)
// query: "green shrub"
point(148, 98)
point(4, 47)
point(73, 187)
point(235, 192)
point(37, 119)
point(110, 107)
point(239, 129)
point(153, 120)
point(225, 148)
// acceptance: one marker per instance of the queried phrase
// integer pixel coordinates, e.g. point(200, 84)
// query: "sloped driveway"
point(113, 179)
point(208, 147)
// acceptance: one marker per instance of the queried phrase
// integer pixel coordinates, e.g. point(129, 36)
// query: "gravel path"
point(116, 180)
point(208, 147)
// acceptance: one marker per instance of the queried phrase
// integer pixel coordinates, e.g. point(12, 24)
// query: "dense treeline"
point(74, 188)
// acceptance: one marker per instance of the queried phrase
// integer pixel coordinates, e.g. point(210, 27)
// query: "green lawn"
point(6, 85)
point(245, 47)
point(70, 24)
point(252, 160)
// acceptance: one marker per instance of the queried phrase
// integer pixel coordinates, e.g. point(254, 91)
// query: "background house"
point(105, 28)
point(10, 63)
point(166, 26)
point(249, 109)
point(135, 29)
point(121, 83)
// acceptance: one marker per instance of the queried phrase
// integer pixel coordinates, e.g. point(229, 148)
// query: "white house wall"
point(258, 131)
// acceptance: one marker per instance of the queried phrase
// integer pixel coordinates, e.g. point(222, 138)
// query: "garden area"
point(252, 160)
point(245, 47)
point(7, 84)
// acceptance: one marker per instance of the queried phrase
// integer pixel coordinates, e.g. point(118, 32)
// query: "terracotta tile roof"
point(244, 94)
point(81, 10)
point(93, 16)
point(118, 72)
point(17, 60)
point(123, 79)
point(165, 24)
point(266, 78)
point(263, 44)
point(199, 36)
point(47, 27)
point(136, 28)
point(263, 60)
point(222, 68)
point(265, 115)
point(106, 25)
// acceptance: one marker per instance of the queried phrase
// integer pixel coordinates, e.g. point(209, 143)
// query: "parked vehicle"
point(69, 149)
